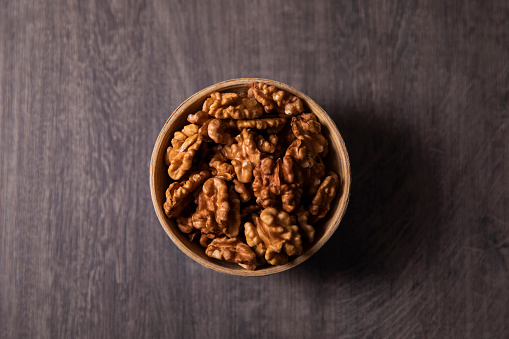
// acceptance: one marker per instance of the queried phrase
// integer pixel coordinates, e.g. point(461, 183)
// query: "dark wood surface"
point(419, 90)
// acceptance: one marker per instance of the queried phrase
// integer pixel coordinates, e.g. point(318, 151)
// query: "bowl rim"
point(318, 244)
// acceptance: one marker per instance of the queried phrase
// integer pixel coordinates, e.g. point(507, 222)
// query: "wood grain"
point(418, 89)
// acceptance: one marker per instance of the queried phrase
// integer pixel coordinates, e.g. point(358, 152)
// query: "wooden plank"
point(419, 91)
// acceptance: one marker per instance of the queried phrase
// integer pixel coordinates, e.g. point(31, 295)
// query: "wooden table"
point(419, 90)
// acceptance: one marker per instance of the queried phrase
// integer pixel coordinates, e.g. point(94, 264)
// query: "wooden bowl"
point(336, 160)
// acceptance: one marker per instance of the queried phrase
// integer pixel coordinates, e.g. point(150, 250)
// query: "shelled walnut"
point(272, 125)
point(244, 155)
point(249, 183)
point(232, 106)
point(233, 250)
point(211, 216)
point(273, 234)
point(180, 155)
point(178, 194)
point(273, 99)
point(267, 182)
point(320, 204)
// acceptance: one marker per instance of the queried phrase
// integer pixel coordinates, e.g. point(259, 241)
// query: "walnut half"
point(273, 234)
point(180, 155)
point(232, 106)
point(273, 99)
point(211, 217)
point(232, 250)
point(178, 194)
point(326, 192)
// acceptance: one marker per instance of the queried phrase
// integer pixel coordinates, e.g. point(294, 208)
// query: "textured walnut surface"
point(178, 194)
point(232, 106)
point(233, 250)
point(274, 99)
point(273, 235)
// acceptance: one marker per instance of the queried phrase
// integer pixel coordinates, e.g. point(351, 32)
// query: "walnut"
point(275, 258)
point(243, 170)
point(205, 240)
point(198, 118)
point(307, 128)
point(218, 100)
point(185, 224)
point(273, 234)
point(204, 131)
point(320, 204)
point(272, 125)
point(232, 250)
point(292, 173)
point(310, 169)
point(178, 195)
point(211, 216)
point(290, 104)
point(242, 190)
point(276, 231)
point(263, 94)
point(221, 168)
point(291, 180)
point(300, 153)
point(313, 175)
point(273, 99)
point(244, 155)
point(232, 106)
point(190, 129)
point(267, 182)
point(205, 221)
point(178, 139)
point(290, 196)
point(180, 155)
point(218, 131)
point(267, 146)
point(254, 240)
point(309, 231)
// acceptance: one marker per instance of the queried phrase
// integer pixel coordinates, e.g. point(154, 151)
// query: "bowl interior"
point(336, 160)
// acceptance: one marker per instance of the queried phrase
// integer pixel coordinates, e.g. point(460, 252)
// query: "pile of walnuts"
point(249, 177)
